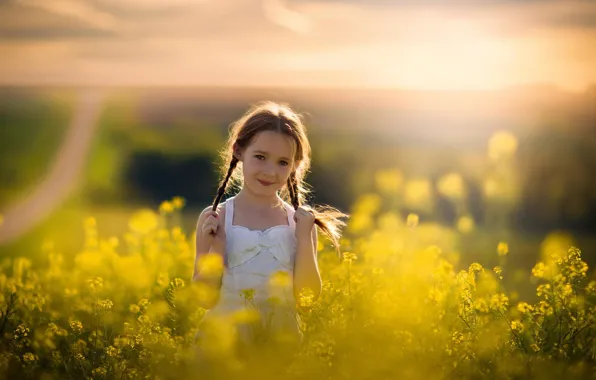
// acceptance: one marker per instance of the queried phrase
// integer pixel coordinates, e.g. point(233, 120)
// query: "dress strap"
point(229, 213)
point(290, 211)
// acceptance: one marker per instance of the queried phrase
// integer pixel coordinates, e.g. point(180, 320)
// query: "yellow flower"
point(591, 287)
point(452, 186)
point(178, 283)
point(481, 304)
point(95, 284)
point(113, 242)
point(99, 372)
point(539, 270)
point(143, 221)
point(417, 193)
point(412, 220)
point(475, 267)
point(499, 302)
point(28, 357)
point(246, 316)
point(134, 309)
point(21, 331)
point(502, 248)
point(76, 327)
point(349, 257)
point(523, 307)
point(499, 272)
point(90, 223)
point(144, 303)
point(465, 224)
point(457, 337)
point(105, 304)
point(502, 144)
point(307, 298)
point(178, 202)
point(280, 279)
point(389, 181)
point(248, 294)
point(517, 326)
point(210, 265)
point(367, 204)
point(166, 207)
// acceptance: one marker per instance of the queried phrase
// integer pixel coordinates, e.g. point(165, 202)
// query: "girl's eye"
point(283, 163)
point(260, 157)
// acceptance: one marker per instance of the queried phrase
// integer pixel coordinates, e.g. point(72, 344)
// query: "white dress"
point(251, 258)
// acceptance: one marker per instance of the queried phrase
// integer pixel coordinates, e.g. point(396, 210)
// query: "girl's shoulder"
point(221, 212)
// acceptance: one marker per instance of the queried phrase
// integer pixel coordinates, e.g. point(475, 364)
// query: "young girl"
point(265, 230)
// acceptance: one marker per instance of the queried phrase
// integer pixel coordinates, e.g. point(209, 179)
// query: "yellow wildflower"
point(95, 284)
point(524, 307)
point(418, 193)
point(178, 202)
point(502, 144)
point(502, 249)
point(248, 294)
point(28, 358)
point(166, 207)
point(517, 326)
point(452, 186)
point(389, 181)
point(76, 327)
point(412, 220)
point(134, 309)
point(465, 224)
point(210, 265)
point(246, 316)
point(280, 279)
point(143, 221)
point(349, 257)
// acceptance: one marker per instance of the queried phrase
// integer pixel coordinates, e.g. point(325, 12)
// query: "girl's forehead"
point(274, 143)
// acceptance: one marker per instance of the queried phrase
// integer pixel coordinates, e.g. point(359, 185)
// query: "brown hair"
point(272, 116)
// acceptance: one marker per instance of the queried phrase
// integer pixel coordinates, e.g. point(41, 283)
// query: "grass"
point(32, 125)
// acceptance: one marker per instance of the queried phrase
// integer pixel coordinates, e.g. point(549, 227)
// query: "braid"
point(293, 190)
point(325, 217)
point(224, 183)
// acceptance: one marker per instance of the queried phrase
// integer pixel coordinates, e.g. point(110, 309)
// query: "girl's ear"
point(237, 152)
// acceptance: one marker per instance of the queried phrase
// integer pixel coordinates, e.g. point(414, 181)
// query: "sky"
point(421, 45)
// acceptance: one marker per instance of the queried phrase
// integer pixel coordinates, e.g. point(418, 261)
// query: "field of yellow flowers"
point(398, 305)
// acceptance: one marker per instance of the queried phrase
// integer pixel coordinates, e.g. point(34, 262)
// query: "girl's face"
point(267, 162)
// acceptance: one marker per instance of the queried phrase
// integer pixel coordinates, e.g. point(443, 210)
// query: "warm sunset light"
point(472, 45)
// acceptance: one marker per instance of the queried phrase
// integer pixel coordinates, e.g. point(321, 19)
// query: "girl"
point(265, 230)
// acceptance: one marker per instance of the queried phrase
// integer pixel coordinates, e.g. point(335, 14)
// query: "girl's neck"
point(258, 202)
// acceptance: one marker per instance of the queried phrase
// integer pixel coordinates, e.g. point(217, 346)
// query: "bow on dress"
point(279, 240)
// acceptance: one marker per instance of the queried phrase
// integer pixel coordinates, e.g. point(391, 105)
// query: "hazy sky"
point(408, 44)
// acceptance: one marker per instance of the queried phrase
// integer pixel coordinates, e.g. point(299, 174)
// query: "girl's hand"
point(305, 220)
point(211, 231)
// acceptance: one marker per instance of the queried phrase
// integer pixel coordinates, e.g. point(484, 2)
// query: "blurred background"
point(478, 116)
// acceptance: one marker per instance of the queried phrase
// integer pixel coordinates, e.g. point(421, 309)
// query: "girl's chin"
point(264, 190)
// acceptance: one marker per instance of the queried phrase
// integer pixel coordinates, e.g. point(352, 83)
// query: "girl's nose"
point(269, 170)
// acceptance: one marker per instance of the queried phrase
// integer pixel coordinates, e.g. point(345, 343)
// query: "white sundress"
point(251, 258)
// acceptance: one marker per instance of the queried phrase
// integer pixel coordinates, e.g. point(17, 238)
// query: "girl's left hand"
point(305, 220)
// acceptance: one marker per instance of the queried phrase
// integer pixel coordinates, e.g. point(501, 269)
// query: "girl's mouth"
point(265, 183)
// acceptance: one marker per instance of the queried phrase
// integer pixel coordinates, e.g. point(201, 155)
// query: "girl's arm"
point(208, 265)
point(306, 269)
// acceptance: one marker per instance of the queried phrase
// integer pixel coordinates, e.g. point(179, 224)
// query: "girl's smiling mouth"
point(265, 183)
